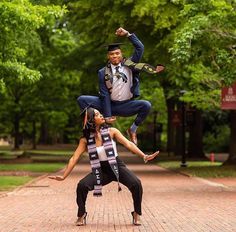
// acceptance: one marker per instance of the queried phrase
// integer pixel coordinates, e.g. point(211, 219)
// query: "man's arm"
point(139, 47)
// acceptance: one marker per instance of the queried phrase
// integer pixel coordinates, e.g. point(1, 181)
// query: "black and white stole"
point(95, 162)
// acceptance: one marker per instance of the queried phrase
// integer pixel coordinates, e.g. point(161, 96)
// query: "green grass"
point(10, 182)
point(50, 152)
point(32, 167)
point(10, 153)
point(201, 168)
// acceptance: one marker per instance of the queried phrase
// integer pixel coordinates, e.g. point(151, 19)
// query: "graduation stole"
point(95, 162)
point(109, 77)
point(130, 64)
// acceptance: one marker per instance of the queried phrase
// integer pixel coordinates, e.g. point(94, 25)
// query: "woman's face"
point(98, 118)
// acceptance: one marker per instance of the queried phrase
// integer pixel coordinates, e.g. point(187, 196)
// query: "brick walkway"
point(171, 203)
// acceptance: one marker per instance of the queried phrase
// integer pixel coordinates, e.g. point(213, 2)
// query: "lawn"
point(32, 167)
point(8, 183)
point(201, 168)
point(50, 152)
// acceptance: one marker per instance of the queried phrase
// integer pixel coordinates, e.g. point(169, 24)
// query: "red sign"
point(176, 118)
point(228, 98)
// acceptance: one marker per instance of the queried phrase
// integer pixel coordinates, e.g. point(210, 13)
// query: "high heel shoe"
point(136, 219)
point(81, 221)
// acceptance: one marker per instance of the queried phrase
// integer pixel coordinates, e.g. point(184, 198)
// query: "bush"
point(217, 141)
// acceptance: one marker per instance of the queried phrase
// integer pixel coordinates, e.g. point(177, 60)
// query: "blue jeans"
point(126, 108)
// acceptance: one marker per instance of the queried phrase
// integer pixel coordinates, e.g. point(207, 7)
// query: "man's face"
point(115, 57)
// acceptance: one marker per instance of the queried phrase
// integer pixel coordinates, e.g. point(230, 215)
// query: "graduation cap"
point(88, 115)
point(113, 46)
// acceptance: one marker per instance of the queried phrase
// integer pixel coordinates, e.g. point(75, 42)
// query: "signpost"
point(228, 98)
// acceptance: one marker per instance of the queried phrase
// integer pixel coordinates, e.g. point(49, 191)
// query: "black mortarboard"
point(113, 46)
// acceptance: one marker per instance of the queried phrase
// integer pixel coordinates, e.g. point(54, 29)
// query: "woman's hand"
point(146, 158)
point(58, 178)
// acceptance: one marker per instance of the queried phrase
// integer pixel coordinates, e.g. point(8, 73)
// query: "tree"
point(203, 48)
point(20, 21)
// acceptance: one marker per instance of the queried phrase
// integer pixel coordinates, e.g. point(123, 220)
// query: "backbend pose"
point(99, 141)
point(119, 85)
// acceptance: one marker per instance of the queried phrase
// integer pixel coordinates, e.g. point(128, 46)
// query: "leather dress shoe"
point(132, 136)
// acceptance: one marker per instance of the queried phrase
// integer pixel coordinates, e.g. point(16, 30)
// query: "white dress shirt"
point(120, 89)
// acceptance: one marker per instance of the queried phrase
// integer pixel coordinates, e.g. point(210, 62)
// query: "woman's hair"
point(89, 125)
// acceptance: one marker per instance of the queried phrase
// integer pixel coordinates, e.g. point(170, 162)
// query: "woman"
point(98, 140)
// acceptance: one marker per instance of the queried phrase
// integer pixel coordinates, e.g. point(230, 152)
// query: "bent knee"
point(147, 105)
point(81, 185)
point(81, 99)
point(136, 184)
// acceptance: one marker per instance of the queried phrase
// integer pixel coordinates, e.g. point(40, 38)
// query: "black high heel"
point(81, 221)
point(136, 219)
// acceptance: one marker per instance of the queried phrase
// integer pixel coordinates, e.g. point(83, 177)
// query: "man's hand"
point(110, 119)
point(159, 68)
point(58, 178)
point(121, 32)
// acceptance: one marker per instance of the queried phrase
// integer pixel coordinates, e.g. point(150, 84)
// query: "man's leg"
point(86, 100)
point(129, 108)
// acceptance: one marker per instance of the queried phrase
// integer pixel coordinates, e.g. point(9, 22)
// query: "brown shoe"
point(132, 136)
point(136, 219)
point(81, 221)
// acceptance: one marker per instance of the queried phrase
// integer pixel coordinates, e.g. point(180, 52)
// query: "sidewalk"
point(171, 202)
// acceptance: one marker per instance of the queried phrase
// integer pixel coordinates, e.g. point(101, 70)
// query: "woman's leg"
point(84, 186)
point(131, 181)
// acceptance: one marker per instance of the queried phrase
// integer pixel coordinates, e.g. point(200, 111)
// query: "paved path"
point(171, 203)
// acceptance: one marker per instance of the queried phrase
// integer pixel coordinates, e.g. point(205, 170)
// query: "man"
point(119, 85)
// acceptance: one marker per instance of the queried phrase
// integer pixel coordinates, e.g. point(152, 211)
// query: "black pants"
point(127, 178)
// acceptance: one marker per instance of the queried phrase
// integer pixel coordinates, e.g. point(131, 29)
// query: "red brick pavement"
point(171, 203)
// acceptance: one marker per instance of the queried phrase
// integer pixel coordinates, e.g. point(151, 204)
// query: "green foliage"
point(33, 43)
point(202, 51)
point(217, 141)
point(50, 54)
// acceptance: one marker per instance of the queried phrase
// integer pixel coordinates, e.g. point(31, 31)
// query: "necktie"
point(119, 74)
point(117, 71)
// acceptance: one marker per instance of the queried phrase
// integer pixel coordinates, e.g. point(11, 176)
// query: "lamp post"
point(183, 119)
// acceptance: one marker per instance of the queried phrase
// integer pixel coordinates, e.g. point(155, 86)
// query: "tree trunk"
point(17, 132)
point(232, 144)
point(178, 151)
point(195, 125)
point(44, 133)
point(170, 128)
point(34, 135)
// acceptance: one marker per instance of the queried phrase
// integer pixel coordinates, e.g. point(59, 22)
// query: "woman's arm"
point(73, 160)
point(131, 146)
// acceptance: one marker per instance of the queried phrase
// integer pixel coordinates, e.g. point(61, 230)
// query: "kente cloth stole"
point(130, 64)
point(95, 162)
